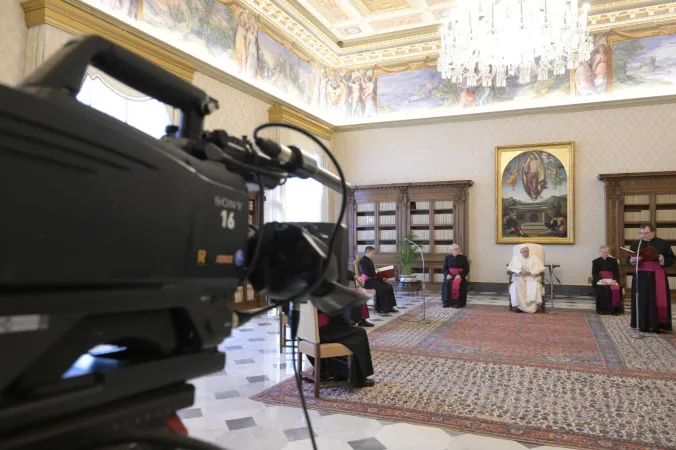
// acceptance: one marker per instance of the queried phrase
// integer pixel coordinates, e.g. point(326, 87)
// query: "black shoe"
point(393, 310)
point(518, 310)
point(365, 383)
point(366, 323)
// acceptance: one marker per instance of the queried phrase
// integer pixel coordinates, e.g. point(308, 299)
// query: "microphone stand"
point(638, 315)
point(422, 256)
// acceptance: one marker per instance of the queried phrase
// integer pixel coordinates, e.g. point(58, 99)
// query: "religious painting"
point(282, 69)
point(644, 63)
point(535, 193)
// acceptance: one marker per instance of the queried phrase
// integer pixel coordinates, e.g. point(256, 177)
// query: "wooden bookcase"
point(636, 198)
point(245, 297)
point(381, 215)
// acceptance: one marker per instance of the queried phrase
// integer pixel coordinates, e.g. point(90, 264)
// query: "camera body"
point(113, 237)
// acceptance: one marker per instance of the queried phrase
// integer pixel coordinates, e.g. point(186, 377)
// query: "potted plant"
point(407, 256)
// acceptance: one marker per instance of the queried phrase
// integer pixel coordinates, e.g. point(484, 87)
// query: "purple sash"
point(660, 288)
point(455, 283)
point(615, 289)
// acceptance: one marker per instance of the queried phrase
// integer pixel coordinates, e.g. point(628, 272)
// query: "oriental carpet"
point(566, 378)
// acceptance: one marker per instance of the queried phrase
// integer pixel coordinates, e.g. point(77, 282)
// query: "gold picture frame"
point(535, 195)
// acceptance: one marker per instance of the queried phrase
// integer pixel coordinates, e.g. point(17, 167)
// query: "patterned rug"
point(566, 378)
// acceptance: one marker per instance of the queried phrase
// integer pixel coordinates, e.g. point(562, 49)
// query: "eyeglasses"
point(643, 233)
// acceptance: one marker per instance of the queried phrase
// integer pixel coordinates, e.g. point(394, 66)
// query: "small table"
point(410, 287)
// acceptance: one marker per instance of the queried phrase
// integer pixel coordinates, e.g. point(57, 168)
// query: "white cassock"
point(524, 292)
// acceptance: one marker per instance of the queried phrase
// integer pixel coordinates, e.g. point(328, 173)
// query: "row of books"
point(637, 199)
point(387, 206)
point(666, 233)
point(422, 235)
point(388, 235)
point(637, 216)
point(665, 215)
point(669, 233)
point(438, 204)
point(388, 248)
point(443, 235)
point(366, 235)
point(366, 207)
point(665, 199)
point(672, 282)
point(368, 221)
point(420, 219)
point(443, 219)
point(388, 220)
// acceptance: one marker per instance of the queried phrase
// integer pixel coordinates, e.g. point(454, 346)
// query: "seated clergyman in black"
point(336, 329)
point(384, 299)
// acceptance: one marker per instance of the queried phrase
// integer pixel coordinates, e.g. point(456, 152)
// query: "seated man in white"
point(525, 292)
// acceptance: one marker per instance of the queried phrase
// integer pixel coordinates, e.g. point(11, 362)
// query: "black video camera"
point(110, 236)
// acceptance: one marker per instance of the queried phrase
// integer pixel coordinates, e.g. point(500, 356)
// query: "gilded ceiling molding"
point(290, 116)
point(81, 21)
point(666, 31)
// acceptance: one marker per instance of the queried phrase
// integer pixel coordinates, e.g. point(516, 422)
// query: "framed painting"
point(535, 193)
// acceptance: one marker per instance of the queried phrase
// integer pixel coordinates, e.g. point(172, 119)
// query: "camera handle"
point(66, 69)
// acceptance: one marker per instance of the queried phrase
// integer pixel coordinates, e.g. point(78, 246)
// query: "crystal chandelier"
point(488, 40)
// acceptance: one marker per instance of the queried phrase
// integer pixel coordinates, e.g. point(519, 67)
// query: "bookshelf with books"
point(436, 212)
point(245, 297)
point(636, 198)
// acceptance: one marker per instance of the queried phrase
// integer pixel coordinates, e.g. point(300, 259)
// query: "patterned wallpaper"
point(618, 140)
point(13, 43)
point(239, 112)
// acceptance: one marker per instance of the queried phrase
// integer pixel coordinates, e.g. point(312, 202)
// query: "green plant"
point(407, 255)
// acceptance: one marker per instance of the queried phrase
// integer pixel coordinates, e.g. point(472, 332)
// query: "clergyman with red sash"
point(652, 285)
point(606, 282)
point(456, 269)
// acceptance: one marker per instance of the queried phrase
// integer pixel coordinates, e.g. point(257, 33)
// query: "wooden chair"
point(308, 344)
point(537, 251)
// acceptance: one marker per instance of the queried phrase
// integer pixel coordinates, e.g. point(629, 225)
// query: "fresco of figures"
point(230, 36)
point(348, 93)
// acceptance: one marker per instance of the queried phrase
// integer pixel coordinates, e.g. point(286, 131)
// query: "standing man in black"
point(384, 301)
point(456, 269)
point(652, 285)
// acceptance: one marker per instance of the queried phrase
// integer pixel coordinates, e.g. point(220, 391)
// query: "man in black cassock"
point(652, 285)
point(337, 329)
point(456, 269)
point(384, 301)
point(608, 295)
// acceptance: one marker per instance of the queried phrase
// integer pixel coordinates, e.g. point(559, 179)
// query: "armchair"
point(538, 251)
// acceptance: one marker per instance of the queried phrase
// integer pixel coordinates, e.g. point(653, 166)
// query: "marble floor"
point(224, 415)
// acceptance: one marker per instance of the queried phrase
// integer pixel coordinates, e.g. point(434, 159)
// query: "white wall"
point(606, 141)
point(13, 42)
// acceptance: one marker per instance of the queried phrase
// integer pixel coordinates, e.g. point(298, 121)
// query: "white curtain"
point(119, 101)
point(299, 200)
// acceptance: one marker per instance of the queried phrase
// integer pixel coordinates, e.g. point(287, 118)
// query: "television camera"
point(113, 237)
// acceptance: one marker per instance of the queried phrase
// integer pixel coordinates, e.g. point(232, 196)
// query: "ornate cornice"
point(285, 115)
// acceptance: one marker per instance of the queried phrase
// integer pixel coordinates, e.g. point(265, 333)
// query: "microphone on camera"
point(299, 163)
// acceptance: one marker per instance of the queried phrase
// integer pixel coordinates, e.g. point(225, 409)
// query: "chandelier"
point(488, 40)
